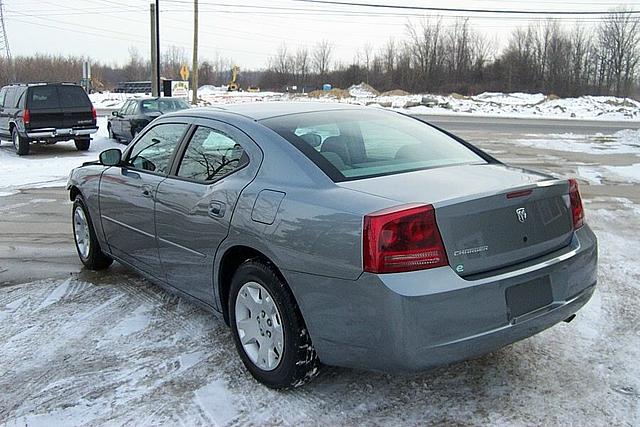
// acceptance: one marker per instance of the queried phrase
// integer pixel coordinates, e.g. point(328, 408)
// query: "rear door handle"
point(216, 209)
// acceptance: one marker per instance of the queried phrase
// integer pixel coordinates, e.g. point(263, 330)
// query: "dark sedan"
point(135, 114)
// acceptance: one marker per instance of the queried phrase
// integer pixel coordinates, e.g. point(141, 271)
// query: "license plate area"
point(528, 297)
point(64, 131)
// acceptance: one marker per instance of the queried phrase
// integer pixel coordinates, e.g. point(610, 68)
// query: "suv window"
point(42, 97)
point(10, 98)
point(210, 155)
point(73, 96)
point(154, 150)
point(3, 92)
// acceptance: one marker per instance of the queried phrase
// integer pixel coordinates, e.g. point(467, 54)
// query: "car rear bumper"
point(59, 133)
point(413, 321)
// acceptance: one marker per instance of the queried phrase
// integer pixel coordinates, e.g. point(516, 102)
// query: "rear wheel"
point(20, 144)
point(85, 238)
point(82, 144)
point(268, 329)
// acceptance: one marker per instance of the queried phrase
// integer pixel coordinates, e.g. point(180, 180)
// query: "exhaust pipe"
point(570, 318)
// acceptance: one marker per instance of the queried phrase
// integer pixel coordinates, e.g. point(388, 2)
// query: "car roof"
point(266, 110)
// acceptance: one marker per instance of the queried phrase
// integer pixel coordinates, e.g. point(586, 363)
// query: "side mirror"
point(111, 157)
point(114, 113)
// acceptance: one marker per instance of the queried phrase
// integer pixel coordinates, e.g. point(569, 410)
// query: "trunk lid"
point(490, 216)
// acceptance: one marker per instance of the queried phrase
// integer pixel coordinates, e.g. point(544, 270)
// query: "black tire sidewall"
point(22, 148)
point(82, 144)
point(284, 375)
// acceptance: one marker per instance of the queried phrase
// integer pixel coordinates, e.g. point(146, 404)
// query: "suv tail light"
point(577, 211)
point(26, 116)
point(94, 113)
point(401, 239)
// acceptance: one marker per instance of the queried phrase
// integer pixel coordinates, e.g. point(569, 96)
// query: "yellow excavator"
point(233, 85)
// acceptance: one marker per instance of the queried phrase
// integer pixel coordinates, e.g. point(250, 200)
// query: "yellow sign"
point(184, 72)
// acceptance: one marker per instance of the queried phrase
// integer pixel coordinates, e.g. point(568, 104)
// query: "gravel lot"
point(84, 348)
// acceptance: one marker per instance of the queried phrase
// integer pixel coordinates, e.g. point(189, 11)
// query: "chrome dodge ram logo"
point(522, 214)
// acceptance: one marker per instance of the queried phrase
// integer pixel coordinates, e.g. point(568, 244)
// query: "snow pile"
point(211, 90)
point(109, 100)
point(622, 142)
point(363, 90)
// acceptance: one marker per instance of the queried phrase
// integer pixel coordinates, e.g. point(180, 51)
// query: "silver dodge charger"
point(338, 235)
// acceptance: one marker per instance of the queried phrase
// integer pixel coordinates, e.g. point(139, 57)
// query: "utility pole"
point(194, 68)
point(155, 89)
point(158, 57)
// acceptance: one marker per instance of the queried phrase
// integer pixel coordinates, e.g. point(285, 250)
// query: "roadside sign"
point(184, 72)
point(180, 89)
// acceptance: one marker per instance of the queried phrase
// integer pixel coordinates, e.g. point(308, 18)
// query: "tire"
point(91, 255)
point(20, 144)
point(82, 144)
point(111, 134)
point(297, 362)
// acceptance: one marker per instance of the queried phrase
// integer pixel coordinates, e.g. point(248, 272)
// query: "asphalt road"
point(109, 348)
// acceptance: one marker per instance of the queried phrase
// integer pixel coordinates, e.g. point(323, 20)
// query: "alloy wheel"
point(259, 326)
point(81, 232)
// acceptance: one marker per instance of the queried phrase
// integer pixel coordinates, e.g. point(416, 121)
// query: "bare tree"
point(322, 57)
point(302, 66)
point(618, 44)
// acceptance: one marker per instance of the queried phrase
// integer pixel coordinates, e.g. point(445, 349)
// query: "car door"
point(129, 115)
point(8, 107)
point(195, 204)
point(127, 196)
point(116, 121)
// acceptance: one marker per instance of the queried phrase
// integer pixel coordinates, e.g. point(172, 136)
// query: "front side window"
point(210, 155)
point(153, 152)
point(125, 107)
point(355, 144)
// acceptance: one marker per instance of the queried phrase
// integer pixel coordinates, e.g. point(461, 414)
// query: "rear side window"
point(153, 152)
point(3, 92)
point(10, 98)
point(355, 144)
point(210, 155)
point(61, 96)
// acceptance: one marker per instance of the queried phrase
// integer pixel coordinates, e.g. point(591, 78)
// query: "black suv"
point(46, 112)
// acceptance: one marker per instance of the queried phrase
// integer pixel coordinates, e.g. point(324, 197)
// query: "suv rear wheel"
point(82, 144)
point(20, 144)
point(268, 329)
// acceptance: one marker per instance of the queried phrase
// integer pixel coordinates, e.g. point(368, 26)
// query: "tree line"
point(431, 57)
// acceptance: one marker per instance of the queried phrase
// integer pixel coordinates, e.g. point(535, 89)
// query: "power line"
point(463, 10)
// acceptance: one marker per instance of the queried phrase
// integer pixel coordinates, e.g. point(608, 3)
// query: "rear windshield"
point(58, 96)
point(163, 105)
point(355, 144)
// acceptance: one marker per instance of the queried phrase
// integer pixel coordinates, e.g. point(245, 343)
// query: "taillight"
point(26, 117)
point(577, 211)
point(404, 238)
point(94, 113)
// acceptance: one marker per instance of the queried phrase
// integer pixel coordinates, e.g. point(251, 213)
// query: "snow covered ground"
point(487, 104)
point(109, 348)
point(48, 165)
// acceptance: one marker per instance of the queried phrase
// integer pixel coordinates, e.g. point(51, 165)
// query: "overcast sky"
point(106, 29)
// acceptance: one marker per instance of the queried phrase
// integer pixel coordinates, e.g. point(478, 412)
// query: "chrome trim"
point(122, 224)
point(53, 133)
point(184, 248)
